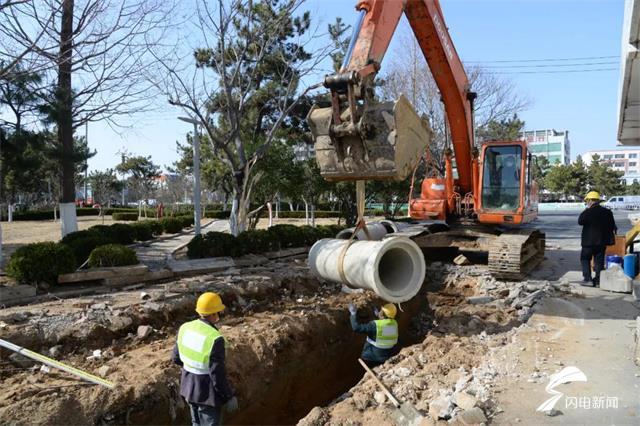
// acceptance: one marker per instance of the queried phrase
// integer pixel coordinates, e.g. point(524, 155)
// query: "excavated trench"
point(292, 351)
point(316, 363)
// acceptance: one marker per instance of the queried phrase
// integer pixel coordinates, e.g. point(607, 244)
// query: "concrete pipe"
point(393, 268)
point(377, 231)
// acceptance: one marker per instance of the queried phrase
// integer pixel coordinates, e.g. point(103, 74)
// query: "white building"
point(629, 91)
point(549, 143)
point(625, 160)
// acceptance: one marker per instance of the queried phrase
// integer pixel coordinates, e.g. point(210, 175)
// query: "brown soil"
point(291, 348)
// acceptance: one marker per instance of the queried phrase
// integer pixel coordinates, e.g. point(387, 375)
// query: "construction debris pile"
point(282, 323)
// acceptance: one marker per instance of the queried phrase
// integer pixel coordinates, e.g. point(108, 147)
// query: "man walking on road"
point(598, 229)
point(382, 334)
point(200, 351)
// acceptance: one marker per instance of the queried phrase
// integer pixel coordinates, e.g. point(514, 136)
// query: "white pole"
point(196, 180)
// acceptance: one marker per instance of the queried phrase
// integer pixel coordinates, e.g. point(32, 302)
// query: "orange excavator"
point(359, 138)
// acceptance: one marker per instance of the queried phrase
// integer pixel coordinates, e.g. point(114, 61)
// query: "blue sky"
point(585, 103)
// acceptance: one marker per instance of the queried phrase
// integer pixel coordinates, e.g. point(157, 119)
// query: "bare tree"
point(409, 74)
point(106, 46)
point(251, 65)
point(20, 38)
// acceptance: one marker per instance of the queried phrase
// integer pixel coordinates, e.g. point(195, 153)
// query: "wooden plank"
point(286, 253)
point(94, 274)
point(135, 279)
point(631, 234)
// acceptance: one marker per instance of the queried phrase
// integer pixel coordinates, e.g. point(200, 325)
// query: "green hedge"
point(40, 262)
point(217, 214)
point(48, 214)
point(171, 225)
point(125, 216)
point(112, 255)
point(279, 237)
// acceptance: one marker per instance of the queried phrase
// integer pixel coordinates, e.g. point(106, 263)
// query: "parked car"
point(623, 202)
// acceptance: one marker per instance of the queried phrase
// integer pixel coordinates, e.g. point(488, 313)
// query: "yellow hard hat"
point(390, 310)
point(209, 303)
point(592, 195)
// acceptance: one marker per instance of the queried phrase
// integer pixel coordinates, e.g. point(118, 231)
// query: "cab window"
point(501, 177)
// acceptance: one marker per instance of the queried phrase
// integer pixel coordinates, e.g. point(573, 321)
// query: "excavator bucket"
point(385, 144)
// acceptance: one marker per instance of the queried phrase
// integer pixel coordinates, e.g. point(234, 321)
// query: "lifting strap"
point(360, 224)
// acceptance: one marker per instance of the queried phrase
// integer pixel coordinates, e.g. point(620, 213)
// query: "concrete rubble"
point(467, 313)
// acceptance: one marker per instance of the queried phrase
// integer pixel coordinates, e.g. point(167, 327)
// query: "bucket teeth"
point(385, 144)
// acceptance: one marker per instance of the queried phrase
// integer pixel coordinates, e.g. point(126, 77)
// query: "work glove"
point(231, 405)
point(352, 309)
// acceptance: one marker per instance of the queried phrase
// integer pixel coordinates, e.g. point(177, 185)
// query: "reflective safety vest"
point(195, 342)
point(386, 334)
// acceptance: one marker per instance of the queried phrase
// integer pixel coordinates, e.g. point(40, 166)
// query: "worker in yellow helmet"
point(598, 232)
point(382, 334)
point(200, 351)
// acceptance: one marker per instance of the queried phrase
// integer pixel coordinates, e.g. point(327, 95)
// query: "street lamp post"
point(196, 173)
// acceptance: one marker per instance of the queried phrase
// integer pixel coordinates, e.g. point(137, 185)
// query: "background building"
point(625, 160)
point(549, 143)
point(629, 92)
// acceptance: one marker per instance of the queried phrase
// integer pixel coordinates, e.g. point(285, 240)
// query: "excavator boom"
point(359, 138)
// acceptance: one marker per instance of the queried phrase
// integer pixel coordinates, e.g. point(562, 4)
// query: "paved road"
point(592, 331)
point(562, 227)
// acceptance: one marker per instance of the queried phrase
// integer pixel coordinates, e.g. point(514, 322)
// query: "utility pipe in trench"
point(393, 268)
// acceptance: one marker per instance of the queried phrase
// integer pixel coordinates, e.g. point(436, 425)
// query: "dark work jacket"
point(370, 352)
point(598, 226)
point(212, 389)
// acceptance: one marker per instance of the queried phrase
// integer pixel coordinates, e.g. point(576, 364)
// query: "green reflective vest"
point(386, 334)
point(195, 342)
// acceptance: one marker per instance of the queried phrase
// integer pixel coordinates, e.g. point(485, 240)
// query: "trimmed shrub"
point(40, 262)
point(156, 227)
point(256, 241)
point(112, 255)
point(130, 216)
point(186, 220)
point(287, 236)
point(123, 233)
point(82, 243)
point(145, 229)
point(120, 233)
point(212, 244)
point(217, 214)
point(215, 244)
point(48, 214)
point(171, 225)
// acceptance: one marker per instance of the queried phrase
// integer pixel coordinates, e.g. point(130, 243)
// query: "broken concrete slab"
point(461, 260)
point(480, 300)
point(144, 331)
point(474, 416)
point(200, 266)
point(104, 370)
point(465, 400)
point(441, 408)
point(162, 274)
point(614, 279)
point(15, 292)
point(95, 274)
point(21, 361)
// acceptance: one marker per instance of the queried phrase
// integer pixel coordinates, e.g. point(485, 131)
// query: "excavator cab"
point(507, 193)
